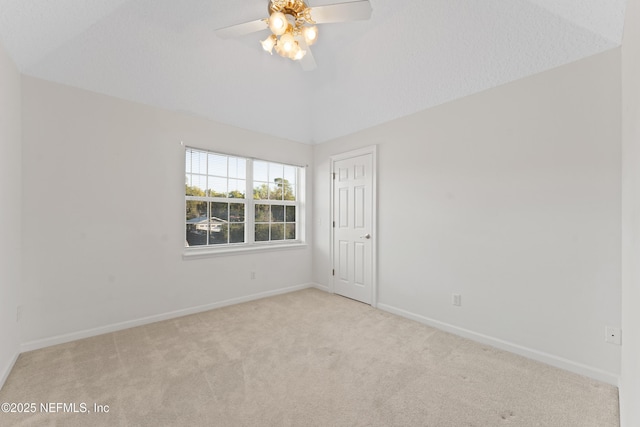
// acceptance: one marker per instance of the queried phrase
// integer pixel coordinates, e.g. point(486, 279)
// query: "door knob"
point(366, 236)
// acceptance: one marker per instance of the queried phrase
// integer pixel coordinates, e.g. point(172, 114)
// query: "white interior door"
point(353, 227)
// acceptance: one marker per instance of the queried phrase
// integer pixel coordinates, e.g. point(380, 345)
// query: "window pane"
point(237, 187)
point(236, 233)
point(217, 187)
point(217, 165)
point(237, 168)
point(289, 192)
point(219, 233)
point(262, 213)
point(262, 233)
point(220, 212)
point(290, 231)
point(193, 191)
point(196, 226)
point(260, 191)
point(277, 213)
point(236, 212)
point(276, 171)
point(275, 190)
point(277, 231)
point(195, 237)
point(290, 174)
point(199, 162)
point(196, 186)
point(196, 210)
point(260, 171)
point(291, 214)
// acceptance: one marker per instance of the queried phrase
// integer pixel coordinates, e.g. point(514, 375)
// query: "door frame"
point(373, 150)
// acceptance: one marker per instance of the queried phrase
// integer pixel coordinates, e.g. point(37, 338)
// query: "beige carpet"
point(303, 359)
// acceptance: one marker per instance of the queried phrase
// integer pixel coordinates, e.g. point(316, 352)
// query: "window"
point(274, 194)
point(233, 201)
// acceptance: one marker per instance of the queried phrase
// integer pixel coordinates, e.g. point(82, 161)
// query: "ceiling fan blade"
point(242, 29)
point(342, 12)
point(308, 62)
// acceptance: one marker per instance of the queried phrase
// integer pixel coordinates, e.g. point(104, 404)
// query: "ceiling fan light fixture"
point(295, 50)
point(269, 43)
point(287, 43)
point(310, 34)
point(289, 19)
point(293, 26)
point(299, 54)
point(278, 23)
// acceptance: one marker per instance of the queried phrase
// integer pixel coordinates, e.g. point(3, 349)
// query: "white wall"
point(510, 197)
point(630, 379)
point(10, 213)
point(103, 215)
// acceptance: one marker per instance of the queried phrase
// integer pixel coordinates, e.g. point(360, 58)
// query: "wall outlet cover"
point(456, 299)
point(613, 335)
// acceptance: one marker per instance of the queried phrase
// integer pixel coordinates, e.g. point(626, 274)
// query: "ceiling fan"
point(292, 25)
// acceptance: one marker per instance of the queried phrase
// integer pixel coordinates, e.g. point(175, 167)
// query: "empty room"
point(320, 213)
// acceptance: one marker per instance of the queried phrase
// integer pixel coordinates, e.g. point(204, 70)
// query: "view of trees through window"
point(227, 206)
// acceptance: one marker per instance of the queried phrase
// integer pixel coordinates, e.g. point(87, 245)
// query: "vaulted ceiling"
point(411, 55)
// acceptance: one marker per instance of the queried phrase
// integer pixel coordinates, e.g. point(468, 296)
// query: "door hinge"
point(334, 175)
point(333, 272)
point(334, 224)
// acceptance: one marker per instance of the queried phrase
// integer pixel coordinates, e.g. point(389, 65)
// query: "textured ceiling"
point(411, 55)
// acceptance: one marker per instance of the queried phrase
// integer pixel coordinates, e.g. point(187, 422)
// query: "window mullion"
point(298, 202)
point(249, 226)
point(208, 193)
point(208, 221)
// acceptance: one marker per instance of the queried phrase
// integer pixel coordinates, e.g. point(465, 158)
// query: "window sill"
point(208, 252)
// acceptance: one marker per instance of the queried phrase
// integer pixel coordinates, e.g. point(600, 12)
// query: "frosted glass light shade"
point(269, 43)
point(287, 42)
point(299, 54)
point(310, 34)
point(278, 23)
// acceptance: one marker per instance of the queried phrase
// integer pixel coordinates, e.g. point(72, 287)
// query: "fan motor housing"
point(294, 8)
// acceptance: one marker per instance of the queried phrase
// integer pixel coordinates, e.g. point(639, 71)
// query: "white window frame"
point(250, 245)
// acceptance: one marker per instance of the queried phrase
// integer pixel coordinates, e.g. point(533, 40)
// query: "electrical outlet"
point(456, 299)
point(613, 335)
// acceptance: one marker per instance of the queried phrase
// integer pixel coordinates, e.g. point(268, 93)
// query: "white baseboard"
point(60, 339)
point(4, 374)
point(320, 287)
point(549, 359)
